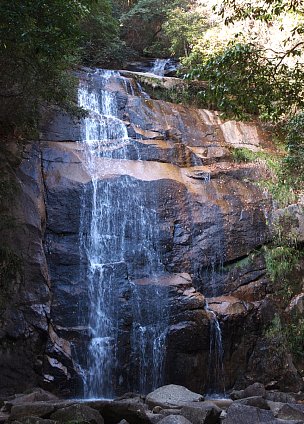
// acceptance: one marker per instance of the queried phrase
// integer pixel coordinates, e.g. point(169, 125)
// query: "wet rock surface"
point(206, 215)
point(210, 217)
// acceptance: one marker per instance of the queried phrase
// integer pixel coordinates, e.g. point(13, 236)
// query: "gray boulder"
point(256, 401)
point(36, 409)
point(275, 396)
point(174, 419)
point(256, 389)
point(202, 413)
point(291, 412)
point(36, 420)
point(237, 394)
point(79, 413)
point(243, 414)
point(172, 396)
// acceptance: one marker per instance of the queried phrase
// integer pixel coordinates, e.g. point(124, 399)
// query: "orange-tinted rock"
point(209, 215)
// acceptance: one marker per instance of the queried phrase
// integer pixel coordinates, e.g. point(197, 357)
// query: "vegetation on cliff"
point(40, 42)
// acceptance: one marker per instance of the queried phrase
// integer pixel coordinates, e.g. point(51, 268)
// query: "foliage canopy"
point(40, 41)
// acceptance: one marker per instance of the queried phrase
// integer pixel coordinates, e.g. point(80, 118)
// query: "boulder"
point(171, 396)
point(237, 394)
point(36, 420)
point(291, 412)
point(275, 407)
point(243, 414)
point(256, 401)
point(275, 396)
point(133, 410)
point(36, 395)
point(256, 389)
point(202, 413)
point(36, 409)
point(161, 411)
point(78, 413)
point(174, 419)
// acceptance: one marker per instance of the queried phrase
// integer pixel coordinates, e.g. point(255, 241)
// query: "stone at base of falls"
point(206, 413)
point(242, 414)
point(37, 409)
point(78, 413)
point(36, 395)
point(172, 396)
point(255, 389)
point(290, 412)
point(132, 409)
point(34, 420)
point(256, 401)
point(258, 390)
point(174, 419)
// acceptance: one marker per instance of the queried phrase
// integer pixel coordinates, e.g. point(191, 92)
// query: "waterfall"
point(216, 379)
point(159, 67)
point(118, 232)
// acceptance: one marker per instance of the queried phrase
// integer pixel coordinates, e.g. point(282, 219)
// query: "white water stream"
point(118, 229)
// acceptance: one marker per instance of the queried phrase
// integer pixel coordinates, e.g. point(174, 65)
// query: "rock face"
point(210, 216)
point(25, 289)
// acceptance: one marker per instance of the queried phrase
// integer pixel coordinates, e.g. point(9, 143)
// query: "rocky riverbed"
point(169, 404)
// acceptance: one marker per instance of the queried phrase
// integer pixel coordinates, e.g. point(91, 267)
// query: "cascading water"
point(216, 379)
point(118, 230)
point(159, 66)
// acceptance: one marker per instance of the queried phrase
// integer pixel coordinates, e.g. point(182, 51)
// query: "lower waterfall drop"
point(216, 377)
point(118, 236)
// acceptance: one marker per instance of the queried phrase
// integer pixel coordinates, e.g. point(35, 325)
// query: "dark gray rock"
point(237, 394)
point(202, 412)
point(57, 125)
point(291, 412)
point(79, 413)
point(174, 419)
point(275, 396)
point(242, 414)
point(133, 410)
point(256, 401)
point(37, 409)
point(256, 389)
point(36, 420)
point(35, 395)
